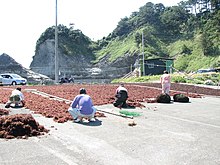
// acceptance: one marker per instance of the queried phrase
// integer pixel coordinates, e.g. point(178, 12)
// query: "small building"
point(157, 66)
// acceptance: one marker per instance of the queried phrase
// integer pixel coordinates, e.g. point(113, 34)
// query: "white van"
point(13, 79)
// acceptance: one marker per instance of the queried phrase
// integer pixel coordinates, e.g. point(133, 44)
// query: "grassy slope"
point(118, 48)
point(195, 59)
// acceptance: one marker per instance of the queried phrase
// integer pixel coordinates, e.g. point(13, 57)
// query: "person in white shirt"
point(121, 95)
point(16, 98)
point(165, 82)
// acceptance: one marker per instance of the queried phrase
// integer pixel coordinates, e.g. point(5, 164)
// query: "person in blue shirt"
point(82, 106)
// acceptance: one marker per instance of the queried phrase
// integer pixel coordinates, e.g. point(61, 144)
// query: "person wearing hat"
point(121, 96)
point(82, 106)
point(16, 98)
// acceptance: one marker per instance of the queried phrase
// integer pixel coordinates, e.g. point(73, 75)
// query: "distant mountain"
point(9, 65)
point(6, 60)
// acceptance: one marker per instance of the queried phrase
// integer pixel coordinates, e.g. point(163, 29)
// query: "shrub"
point(178, 79)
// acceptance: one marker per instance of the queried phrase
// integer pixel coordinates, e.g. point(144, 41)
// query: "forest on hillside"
point(188, 32)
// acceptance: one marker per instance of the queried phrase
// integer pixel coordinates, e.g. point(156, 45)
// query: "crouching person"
point(82, 106)
point(121, 97)
point(16, 98)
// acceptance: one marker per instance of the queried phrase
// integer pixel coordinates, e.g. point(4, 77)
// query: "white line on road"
point(60, 155)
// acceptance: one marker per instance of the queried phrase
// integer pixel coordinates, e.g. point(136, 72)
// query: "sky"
point(22, 22)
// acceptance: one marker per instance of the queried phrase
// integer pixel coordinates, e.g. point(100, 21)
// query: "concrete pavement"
point(165, 134)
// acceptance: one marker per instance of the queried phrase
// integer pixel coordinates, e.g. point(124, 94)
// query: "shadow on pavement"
point(94, 123)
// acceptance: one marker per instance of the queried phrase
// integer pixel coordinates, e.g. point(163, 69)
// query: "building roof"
point(160, 58)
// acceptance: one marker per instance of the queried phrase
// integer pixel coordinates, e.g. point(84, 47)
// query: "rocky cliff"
point(78, 66)
point(44, 62)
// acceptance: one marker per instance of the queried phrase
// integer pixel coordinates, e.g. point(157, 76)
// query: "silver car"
point(1, 80)
point(13, 79)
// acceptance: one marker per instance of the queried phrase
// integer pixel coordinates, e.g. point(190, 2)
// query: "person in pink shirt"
point(165, 82)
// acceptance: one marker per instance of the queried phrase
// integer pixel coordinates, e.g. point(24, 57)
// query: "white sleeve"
point(21, 96)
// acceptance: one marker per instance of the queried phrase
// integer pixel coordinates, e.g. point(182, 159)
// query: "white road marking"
point(60, 155)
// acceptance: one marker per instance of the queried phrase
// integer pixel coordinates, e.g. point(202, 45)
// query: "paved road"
point(165, 134)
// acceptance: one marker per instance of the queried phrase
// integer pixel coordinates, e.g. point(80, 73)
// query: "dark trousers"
point(121, 98)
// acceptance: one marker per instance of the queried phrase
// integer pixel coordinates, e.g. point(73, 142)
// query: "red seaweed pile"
point(3, 112)
point(20, 126)
point(100, 94)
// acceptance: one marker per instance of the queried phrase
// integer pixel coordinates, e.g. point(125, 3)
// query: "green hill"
point(189, 33)
point(191, 39)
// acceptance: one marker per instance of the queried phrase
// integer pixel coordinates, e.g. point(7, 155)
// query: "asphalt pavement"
point(164, 134)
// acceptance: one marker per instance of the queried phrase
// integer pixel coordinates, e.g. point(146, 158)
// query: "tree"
point(215, 5)
point(147, 14)
point(123, 27)
point(172, 19)
point(206, 43)
point(159, 8)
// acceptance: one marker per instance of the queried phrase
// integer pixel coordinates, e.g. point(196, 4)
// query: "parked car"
point(1, 80)
point(207, 70)
point(13, 79)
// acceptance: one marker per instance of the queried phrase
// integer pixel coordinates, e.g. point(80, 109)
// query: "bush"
point(178, 79)
point(163, 98)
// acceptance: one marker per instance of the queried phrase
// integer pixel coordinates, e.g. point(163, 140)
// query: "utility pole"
point(143, 52)
point(56, 50)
